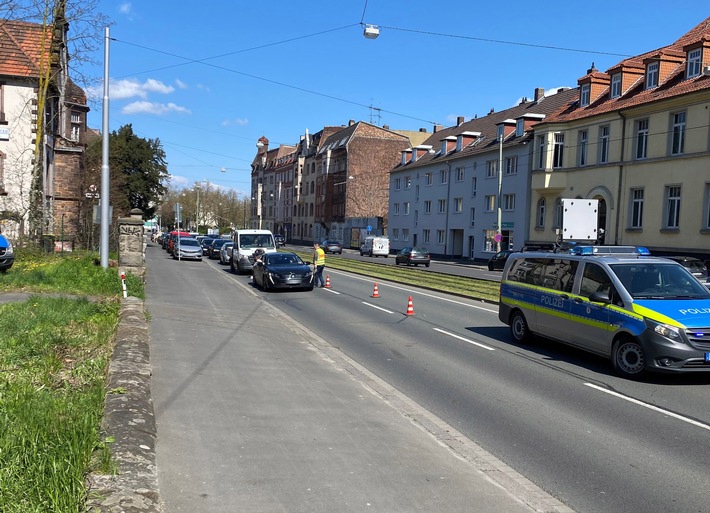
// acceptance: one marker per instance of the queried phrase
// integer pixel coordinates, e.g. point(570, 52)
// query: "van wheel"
point(519, 328)
point(628, 358)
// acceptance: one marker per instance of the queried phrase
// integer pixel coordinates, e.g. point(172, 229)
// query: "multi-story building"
point(334, 184)
point(42, 132)
point(464, 192)
point(637, 138)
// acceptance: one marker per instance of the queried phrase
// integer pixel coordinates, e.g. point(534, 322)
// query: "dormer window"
point(501, 133)
point(519, 127)
point(616, 85)
point(584, 94)
point(652, 75)
point(694, 62)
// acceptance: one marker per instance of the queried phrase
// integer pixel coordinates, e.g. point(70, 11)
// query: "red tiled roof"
point(21, 48)
point(674, 85)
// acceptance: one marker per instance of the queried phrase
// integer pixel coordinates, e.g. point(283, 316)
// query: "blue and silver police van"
point(7, 254)
point(644, 313)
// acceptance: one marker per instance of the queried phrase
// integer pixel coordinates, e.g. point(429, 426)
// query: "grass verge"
point(54, 355)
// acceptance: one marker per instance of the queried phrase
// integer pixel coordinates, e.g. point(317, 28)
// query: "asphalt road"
point(556, 415)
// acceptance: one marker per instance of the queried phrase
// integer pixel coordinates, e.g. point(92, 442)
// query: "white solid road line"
point(649, 406)
point(464, 339)
point(378, 307)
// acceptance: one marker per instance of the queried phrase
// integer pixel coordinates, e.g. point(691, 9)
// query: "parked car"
point(172, 238)
point(225, 252)
point(282, 270)
point(214, 248)
point(332, 246)
point(696, 266)
point(497, 261)
point(206, 241)
point(279, 240)
point(187, 248)
point(375, 246)
point(413, 256)
point(7, 254)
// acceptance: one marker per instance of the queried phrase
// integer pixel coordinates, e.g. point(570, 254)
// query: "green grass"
point(459, 285)
point(54, 355)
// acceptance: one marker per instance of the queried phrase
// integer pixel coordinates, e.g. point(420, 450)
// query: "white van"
point(245, 243)
point(375, 246)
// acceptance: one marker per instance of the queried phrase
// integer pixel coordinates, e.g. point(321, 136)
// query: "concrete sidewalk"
point(255, 413)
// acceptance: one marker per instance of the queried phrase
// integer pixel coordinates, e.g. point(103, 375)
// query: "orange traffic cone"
point(410, 307)
point(376, 292)
point(327, 281)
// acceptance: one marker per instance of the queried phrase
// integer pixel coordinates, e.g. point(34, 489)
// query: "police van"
point(644, 313)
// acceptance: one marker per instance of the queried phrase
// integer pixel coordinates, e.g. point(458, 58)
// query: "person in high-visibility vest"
point(318, 264)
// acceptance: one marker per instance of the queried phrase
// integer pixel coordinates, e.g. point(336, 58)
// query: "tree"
point(137, 170)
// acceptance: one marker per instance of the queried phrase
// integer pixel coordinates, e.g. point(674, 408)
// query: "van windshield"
point(250, 240)
point(659, 281)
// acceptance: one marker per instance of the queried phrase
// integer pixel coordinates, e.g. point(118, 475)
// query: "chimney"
point(351, 122)
point(438, 128)
point(592, 69)
point(423, 130)
point(386, 127)
point(459, 121)
point(539, 93)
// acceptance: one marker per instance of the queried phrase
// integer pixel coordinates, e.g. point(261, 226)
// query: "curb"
point(129, 418)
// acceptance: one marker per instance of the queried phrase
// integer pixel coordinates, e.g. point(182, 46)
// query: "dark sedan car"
point(413, 256)
point(332, 246)
point(215, 246)
point(282, 271)
point(279, 240)
point(497, 261)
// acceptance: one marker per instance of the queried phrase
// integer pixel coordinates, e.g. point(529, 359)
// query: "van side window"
point(559, 274)
point(594, 279)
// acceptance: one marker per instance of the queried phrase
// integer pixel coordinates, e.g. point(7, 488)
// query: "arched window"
point(313, 189)
point(541, 207)
point(310, 209)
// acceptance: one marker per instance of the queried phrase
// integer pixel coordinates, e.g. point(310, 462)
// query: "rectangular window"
point(460, 174)
point(604, 144)
point(397, 184)
point(427, 206)
point(489, 240)
point(405, 234)
point(584, 95)
point(559, 151)
point(616, 85)
point(508, 201)
point(440, 236)
point(428, 179)
point(426, 234)
point(641, 139)
point(443, 177)
point(541, 152)
point(395, 233)
point(541, 211)
point(407, 182)
point(405, 208)
point(672, 206)
point(519, 127)
point(458, 205)
point(442, 206)
point(694, 62)
point(395, 209)
point(652, 75)
point(490, 203)
point(678, 134)
point(582, 148)
point(636, 208)
point(511, 165)
point(492, 168)
point(473, 217)
point(473, 187)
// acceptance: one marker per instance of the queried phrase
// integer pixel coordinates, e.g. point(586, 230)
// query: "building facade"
point(42, 133)
point(637, 138)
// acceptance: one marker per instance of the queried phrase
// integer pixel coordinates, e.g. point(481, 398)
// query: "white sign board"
point(579, 219)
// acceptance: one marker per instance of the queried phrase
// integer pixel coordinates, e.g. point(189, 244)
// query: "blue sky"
point(209, 79)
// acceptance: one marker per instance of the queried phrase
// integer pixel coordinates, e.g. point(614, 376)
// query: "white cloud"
point(237, 122)
point(121, 89)
point(177, 180)
point(156, 86)
point(125, 8)
point(143, 107)
point(180, 84)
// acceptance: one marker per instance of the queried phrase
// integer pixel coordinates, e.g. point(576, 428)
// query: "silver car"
point(187, 248)
point(225, 253)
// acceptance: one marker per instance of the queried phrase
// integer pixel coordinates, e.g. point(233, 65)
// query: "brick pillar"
point(131, 244)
